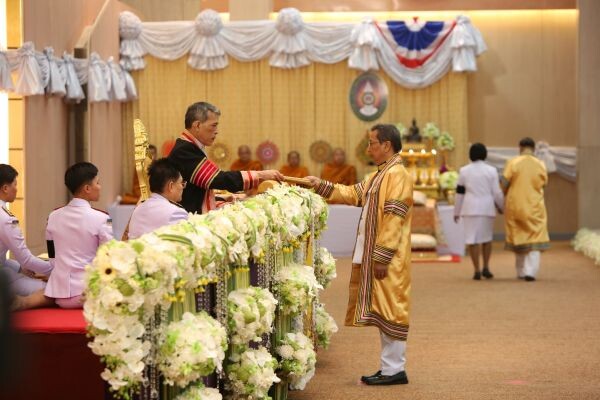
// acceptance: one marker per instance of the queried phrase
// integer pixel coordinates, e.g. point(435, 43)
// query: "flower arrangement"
point(324, 267)
point(200, 393)
point(431, 131)
point(445, 142)
point(325, 327)
point(448, 180)
point(251, 373)
point(296, 286)
point(588, 242)
point(128, 283)
point(251, 312)
point(191, 348)
point(402, 129)
point(298, 359)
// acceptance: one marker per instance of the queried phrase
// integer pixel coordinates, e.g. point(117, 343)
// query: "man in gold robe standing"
point(338, 171)
point(379, 292)
point(245, 161)
point(525, 217)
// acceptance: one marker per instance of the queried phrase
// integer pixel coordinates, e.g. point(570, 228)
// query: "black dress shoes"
point(398, 379)
point(529, 278)
point(487, 274)
point(364, 377)
point(477, 276)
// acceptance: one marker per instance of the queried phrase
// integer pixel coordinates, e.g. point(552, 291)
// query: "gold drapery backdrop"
point(292, 108)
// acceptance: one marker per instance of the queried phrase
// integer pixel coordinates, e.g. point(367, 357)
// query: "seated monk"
point(245, 162)
point(338, 171)
point(293, 167)
point(133, 198)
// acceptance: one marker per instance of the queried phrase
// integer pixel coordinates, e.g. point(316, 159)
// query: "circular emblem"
point(361, 151)
point(218, 152)
point(267, 152)
point(368, 96)
point(320, 151)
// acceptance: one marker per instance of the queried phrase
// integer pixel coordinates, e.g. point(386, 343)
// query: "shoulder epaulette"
point(176, 204)
point(102, 211)
point(6, 210)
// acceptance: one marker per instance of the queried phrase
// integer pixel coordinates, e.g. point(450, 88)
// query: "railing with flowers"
point(234, 291)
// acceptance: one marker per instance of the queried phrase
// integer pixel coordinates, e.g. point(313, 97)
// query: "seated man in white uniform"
point(162, 207)
point(20, 271)
point(74, 233)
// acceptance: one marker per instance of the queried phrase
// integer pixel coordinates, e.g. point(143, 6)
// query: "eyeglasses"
point(373, 143)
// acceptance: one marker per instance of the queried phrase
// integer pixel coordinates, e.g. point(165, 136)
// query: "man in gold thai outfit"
point(525, 218)
point(379, 292)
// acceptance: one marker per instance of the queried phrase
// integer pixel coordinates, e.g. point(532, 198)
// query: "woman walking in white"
point(478, 195)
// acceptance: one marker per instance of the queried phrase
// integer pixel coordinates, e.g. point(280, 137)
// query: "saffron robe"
point(386, 199)
point(525, 218)
point(294, 172)
point(252, 165)
point(344, 174)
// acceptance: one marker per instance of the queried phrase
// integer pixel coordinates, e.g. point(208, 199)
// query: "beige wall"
point(526, 86)
point(59, 24)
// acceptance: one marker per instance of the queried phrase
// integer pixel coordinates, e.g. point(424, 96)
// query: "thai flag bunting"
point(415, 42)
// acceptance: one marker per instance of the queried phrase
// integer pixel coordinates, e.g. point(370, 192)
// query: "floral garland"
point(191, 348)
point(200, 393)
point(251, 312)
point(449, 180)
point(431, 131)
point(298, 359)
point(325, 327)
point(325, 267)
point(296, 286)
point(129, 281)
point(588, 242)
point(251, 374)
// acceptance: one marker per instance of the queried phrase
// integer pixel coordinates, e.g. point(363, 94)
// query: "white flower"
point(325, 267)
point(250, 314)
point(325, 326)
point(300, 367)
point(286, 351)
point(296, 286)
point(251, 373)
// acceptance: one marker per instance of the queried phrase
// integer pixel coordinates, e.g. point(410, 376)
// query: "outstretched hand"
point(314, 181)
point(270, 175)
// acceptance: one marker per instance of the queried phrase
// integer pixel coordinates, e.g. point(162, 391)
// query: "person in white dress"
point(162, 207)
point(478, 196)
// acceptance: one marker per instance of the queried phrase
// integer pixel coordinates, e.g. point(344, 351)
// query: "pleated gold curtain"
point(292, 108)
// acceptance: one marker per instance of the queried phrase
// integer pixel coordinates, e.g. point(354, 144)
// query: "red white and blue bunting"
point(415, 54)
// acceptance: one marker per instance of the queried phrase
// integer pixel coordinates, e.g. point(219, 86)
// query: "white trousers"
point(23, 285)
point(528, 264)
point(392, 355)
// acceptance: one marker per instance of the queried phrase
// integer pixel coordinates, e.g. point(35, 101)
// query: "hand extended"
point(314, 181)
point(380, 270)
point(270, 175)
point(456, 218)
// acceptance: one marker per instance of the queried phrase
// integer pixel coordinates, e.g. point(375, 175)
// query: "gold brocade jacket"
point(386, 198)
point(525, 219)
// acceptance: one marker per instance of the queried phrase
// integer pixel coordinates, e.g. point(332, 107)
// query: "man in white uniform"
point(74, 233)
point(20, 271)
point(162, 207)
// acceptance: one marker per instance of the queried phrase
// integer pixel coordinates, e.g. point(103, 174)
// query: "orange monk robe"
point(344, 174)
point(252, 165)
point(133, 198)
point(294, 172)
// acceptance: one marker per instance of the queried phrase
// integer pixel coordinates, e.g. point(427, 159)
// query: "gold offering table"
point(422, 166)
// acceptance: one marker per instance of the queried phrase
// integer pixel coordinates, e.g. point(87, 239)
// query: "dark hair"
point(7, 174)
point(80, 174)
point(161, 172)
point(153, 147)
point(527, 142)
point(199, 112)
point(478, 151)
point(388, 133)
